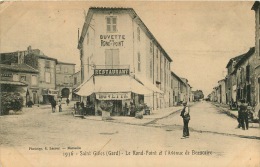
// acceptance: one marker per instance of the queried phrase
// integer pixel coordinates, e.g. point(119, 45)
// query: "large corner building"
point(114, 44)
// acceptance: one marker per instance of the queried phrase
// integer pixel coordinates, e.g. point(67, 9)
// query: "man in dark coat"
point(185, 114)
point(53, 105)
point(244, 114)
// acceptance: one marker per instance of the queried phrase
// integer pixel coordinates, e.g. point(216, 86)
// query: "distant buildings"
point(243, 78)
point(42, 78)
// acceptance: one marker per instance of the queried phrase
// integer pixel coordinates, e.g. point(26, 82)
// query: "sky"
point(200, 37)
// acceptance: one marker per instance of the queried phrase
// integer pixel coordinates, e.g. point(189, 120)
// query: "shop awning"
point(110, 84)
point(86, 88)
point(51, 92)
point(148, 84)
point(13, 83)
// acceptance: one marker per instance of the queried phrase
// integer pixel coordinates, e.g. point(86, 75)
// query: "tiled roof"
point(177, 77)
point(59, 62)
point(134, 16)
point(237, 58)
point(255, 5)
point(19, 68)
point(245, 56)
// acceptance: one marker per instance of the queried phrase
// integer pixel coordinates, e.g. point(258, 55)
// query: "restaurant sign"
point(113, 96)
point(111, 72)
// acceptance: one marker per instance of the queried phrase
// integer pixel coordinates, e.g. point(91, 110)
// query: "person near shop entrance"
point(67, 101)
point(59, 104)
point(53, 105)
point(185, 114)
point(126, 109)
point(132, 109)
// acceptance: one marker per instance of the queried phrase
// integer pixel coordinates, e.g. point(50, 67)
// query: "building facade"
point(222, 91)
point(46, 67)
point(256, 8)
point(177, 89)
point(116, 38)
point(20, 78)
point(64, 79)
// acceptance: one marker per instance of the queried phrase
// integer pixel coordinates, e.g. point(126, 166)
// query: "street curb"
point(226, 111)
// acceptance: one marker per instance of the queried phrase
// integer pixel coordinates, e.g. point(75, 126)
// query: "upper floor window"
point(47, 64)
point(139, 62)
point(66, 79)
point(138, 33)
point(34, 80)
point(75, 80)
point(248, 73)
point(47, 77)
point(58, 68)
point(151, 47)
point(151, 68)
point(111, 24)
point(15, 77)
point(66, 70)
point(23, 78)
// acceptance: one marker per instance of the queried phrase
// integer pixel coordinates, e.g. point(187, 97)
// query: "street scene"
point(130, 83)
point(210, 130)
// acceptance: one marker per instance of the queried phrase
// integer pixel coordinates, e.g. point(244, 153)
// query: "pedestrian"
point(59, 104)
point(239, 116)
point(132, 109)
point(53, 105)
point(125, 109)
point(185, 114)
point(244, 114)
point(67, 101)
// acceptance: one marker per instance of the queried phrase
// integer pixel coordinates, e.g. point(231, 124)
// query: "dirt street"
point(38, 137)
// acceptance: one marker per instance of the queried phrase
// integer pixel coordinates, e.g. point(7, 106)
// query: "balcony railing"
point(112, 66)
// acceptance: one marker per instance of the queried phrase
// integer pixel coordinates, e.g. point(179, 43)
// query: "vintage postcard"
point(129, 83)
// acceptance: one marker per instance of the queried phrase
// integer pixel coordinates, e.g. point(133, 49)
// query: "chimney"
point(29, 48)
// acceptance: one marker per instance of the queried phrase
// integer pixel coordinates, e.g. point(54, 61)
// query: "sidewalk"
point(155, 115)
point(232, 113)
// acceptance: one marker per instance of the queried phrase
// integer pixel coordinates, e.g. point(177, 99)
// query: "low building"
point(176, 92)
point(245, 79)
point(222, 92)
point(46, 67)
point(20, 78)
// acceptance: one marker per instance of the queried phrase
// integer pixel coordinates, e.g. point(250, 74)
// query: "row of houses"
point(243, 75)
point(113, 40)
point(37, 77)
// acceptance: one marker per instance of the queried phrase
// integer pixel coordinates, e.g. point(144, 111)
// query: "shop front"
point(49, 95)
point(115, 86)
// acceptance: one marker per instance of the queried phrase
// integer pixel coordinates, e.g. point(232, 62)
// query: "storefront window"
point(34, 80)
point(139, 62)
point(47, 77)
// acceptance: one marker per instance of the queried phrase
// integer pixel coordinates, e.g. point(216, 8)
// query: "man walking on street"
point(53, 105)
point(185, 114)
point(244, 114)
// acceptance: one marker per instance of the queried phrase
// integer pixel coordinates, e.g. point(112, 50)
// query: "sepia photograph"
point(130, 83)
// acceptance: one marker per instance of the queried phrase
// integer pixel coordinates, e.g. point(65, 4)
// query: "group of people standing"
point(54, 103)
